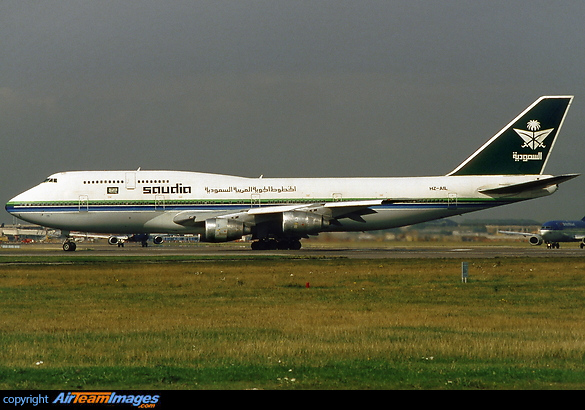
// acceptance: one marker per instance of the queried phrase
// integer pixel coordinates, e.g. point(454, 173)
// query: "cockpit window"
point(50, 180)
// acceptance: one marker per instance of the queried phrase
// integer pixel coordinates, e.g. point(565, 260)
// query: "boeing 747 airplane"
point(279, 212)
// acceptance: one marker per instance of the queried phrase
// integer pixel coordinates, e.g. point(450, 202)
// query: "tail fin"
point(523, 146)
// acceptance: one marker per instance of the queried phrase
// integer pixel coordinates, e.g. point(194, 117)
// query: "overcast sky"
point(284, 88)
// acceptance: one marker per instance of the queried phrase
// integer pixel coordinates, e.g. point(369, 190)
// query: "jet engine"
point(113, 240)
point(535, 240)
point(224, 230)
point(302, 223)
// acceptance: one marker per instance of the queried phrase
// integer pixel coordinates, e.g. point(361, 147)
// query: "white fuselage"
point(150, 201)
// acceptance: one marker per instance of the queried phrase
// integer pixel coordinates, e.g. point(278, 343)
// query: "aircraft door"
point(255, 200)
point(159, 203)
point(83, 203)
point(452, 201)
point(130, 180)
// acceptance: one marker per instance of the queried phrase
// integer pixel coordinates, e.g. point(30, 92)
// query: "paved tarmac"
point(460, 251)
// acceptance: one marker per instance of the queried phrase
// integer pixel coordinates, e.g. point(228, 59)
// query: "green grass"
point(345, 375)
point(254, 323)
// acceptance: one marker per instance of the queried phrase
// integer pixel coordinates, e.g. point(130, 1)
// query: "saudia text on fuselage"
point(178, 188)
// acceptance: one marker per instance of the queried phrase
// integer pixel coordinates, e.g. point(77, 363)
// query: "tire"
point(69, 246)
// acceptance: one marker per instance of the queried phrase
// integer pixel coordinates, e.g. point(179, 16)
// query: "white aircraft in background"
point(553, 232)
point(278, 212)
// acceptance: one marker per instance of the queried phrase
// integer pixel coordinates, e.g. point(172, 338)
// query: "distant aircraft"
point(553, 232)
point(279, 212)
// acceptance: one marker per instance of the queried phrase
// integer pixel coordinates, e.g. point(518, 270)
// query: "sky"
point(284, 88)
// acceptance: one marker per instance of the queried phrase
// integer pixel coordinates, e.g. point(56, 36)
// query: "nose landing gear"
point(69, 246)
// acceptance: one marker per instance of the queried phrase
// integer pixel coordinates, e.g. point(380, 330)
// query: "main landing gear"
point(274, 244)
point(553, 245)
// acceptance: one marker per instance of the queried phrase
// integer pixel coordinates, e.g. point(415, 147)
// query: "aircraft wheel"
point(283, 244)
point(295, 245)
point(69, 246)
point(256, 246)
point(261, 245)
point(271, 244)
point(265, 244)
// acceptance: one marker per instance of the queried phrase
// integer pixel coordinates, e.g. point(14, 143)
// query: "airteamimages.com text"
point(81, 398)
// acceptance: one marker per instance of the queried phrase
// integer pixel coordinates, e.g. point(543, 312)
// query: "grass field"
point(279, 323)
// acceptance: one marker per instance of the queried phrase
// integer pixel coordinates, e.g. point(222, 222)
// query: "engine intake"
point(224, 230)
point(298, 222)
point(113, 240)
point(535, 240)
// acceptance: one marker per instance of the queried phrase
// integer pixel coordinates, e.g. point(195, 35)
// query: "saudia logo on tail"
point(533, 138)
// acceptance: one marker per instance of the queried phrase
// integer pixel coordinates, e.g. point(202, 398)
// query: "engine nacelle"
point(113, 240)
point(302, 223)
point(157, 240)
point(535, 240)
point(224, 230)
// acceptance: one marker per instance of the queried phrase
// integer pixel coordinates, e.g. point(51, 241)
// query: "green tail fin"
point(523, 146)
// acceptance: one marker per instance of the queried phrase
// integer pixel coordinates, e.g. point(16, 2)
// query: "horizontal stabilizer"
point(528, 186)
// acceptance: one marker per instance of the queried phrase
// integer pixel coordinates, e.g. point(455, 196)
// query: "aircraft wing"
point(524, 234)
point(331, 210)
point(528, 186)
point(334, 209)
point(535, 239)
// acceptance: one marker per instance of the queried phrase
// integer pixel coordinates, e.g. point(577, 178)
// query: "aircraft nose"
point(9, 207)
point(12, 205)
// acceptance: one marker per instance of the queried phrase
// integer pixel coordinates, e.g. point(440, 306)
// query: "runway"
point(458, 251)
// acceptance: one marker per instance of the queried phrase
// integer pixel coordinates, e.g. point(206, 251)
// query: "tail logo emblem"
point(533, 137)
